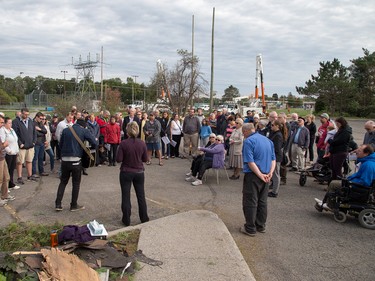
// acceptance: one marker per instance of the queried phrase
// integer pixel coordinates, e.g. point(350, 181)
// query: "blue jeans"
point(51, 157)
point(165, 152)
point(38, 156)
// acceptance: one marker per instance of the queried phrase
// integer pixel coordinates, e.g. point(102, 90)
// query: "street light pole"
point(135, 81)
point(65, 72)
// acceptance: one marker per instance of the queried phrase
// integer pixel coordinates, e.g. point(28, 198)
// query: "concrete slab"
point(194, 245)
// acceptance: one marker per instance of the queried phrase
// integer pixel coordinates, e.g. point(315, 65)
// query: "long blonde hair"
point(132, 129)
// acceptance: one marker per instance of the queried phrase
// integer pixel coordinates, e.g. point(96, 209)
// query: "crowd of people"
point(263, 149)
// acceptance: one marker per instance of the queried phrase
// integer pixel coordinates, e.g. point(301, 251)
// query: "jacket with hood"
point(366, 172)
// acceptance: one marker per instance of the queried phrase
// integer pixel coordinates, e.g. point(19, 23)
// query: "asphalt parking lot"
point(300, 243)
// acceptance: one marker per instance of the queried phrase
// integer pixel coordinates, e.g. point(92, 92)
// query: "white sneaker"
point(190, 179)
point(325, 207)
point(188, 174)
point(10, 198)
point(3, 202)
point(16, 187)
point(197, 182)
point(318, 201)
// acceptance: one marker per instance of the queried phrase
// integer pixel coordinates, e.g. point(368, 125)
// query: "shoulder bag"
point(87, 159)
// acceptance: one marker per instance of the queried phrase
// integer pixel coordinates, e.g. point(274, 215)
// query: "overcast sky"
point(41, 37)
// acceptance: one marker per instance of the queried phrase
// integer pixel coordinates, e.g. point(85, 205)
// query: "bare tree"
point(181, 84)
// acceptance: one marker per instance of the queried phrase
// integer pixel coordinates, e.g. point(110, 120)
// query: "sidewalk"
point(194, 245)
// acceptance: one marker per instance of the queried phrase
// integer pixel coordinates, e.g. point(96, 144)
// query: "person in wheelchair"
point(361, 179)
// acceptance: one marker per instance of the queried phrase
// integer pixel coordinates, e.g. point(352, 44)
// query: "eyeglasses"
point(218, 139)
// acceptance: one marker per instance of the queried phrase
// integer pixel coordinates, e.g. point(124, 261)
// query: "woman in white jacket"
point(8, 134)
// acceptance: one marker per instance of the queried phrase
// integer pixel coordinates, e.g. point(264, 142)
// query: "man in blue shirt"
point(259, 165)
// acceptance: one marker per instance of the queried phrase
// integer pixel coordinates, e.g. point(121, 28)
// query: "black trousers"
point(254, 202)
point(195, 165)
point(138, 180)
point(55, 144)
point(175, 150)
point(11, 162)
point(68, 169)
point(205, 165)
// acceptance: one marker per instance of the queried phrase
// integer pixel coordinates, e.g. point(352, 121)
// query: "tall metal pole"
point(101, 75)
point(192, 62)
point(65, 72)
point(135, 81)
point(212, 63)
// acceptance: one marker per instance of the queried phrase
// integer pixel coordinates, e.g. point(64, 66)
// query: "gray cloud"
point(40, 38)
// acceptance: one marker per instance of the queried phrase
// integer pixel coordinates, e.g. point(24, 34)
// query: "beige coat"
point(237, 138)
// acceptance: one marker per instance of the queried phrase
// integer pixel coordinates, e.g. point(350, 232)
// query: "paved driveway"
point(300, 243)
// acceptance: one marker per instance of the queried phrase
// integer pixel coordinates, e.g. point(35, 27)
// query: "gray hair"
point(248, 127)
point(220, 137)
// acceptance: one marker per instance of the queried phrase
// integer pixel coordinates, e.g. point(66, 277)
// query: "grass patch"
point(26, 236)
point(128, 240)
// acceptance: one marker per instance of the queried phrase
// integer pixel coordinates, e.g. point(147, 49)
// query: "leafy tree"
point(230, 93)
point(363, 73)
point(332, 86)
point(275, 96)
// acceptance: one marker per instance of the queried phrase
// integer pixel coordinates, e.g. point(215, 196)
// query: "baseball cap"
point(324, 115)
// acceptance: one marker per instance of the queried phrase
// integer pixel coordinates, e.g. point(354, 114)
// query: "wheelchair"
point(351, 199)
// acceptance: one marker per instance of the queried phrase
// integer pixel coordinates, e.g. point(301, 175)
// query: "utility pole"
point(192, 63)
point(101, 76)
point(135, 81)
point(65, 72)
point(212, 63)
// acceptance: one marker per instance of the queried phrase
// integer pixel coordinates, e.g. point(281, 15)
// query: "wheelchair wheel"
point(340, 217)
point(302, 179)
point(367, 218)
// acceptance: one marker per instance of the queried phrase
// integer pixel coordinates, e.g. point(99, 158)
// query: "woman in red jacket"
point(113, 138)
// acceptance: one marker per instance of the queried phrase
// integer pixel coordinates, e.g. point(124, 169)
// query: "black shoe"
point(243, 230)
point(58, 208)
point(261, 229)
point(84, 173)
point(114, 164)
point(271, 194)
point(293, 169)
point(234, 177)
point(77, 208)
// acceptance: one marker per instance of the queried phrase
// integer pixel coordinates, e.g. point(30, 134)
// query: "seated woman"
point(214, 158)
point(364, 177)
point(197, 160)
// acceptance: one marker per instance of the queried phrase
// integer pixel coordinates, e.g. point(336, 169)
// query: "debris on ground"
point(94, 259)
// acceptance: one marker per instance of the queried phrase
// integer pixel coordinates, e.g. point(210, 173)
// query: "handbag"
point(87, 157)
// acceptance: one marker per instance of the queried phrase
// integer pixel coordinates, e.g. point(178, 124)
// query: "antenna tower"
point(85, 75)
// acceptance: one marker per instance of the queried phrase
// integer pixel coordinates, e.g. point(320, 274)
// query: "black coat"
point(277, 139)
point(340, 141)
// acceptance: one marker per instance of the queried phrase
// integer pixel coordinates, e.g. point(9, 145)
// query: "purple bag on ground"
point(79, 234)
